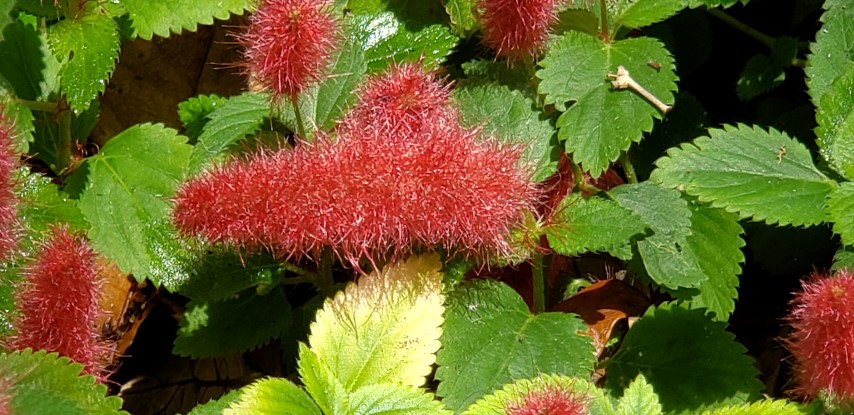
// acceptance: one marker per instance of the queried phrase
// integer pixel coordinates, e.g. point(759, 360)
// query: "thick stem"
point(39, 105)
point(628, 168)
point(63, 148)
point(742, 27)
point(298, 115)
point(539, 289)
point(604, 31)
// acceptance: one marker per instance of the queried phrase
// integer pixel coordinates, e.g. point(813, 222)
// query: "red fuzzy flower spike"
point(375, 192)
point(58, 303)
point(8, 163)
point(516, 29)
point(289, 43)
point(822, 341)
point(550, 401)
point(400, 102)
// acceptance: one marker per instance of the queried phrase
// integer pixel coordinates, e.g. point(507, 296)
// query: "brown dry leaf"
point(603, 305)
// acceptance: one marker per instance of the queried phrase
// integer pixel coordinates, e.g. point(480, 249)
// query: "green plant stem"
point(39, 105)
point(628, 168)
point(325, 283)
point(578, 178)
point(539, 290)
point(604, 31)
point(742, 27)
point(298, 115)
point(296, 269)
point(63, 157)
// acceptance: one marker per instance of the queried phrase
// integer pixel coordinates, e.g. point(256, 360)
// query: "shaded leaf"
point(88, 47)
point(194, 113)
point(463, 18)
point(387, 39)
point(233, 325)
point(603, 122)
point(766, 176)
point(490, 338)
point(690, 360)
point(27, 63)
point(763, 73)
point(217, 273)
point(577, 20)
point(230, 122)
point(149, 18)
point(640, 13)
point(639, 399)
point(217, 406)
point(593, 224)
point(832, 50)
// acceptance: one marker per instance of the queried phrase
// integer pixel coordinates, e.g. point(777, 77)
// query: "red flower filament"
point(8, 219)
point(517, 28)
point(822, 341)
point(58, 303)
point(288, 43)
point(550, 401)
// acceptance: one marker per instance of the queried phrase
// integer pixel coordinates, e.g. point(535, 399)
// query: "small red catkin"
point(552, 401)
point(58, 303)
point(517, 29)
point(288, 44)
point(9, 161)
point(822, 341)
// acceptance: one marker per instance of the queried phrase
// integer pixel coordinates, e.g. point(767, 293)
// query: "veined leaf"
point(217, 406)
point(512, 118)
point(462, 14)
point(835, 117)
point(832, 51)
point(233, 325)
point(149, 18)
point(760, 175)
point(385, 329)
point(273, 396)
point(87, 46)
point(690, 360)
point(840, 204)
point(639, 399)
point(27, 63)
point(394, 399)
point(491, 338)
point(844, 258)
point(228, 123)
point(41, 383)
point(603, 122)
point(640, 13)
point(194, 113)
point(524, 395)
point(322, 384)
point(593, 224)
point(764, 407)
point(125, 201)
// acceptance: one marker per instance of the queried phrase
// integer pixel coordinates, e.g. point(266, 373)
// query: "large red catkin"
point(552, 401)
point(822, 341)
point(288, 44)
point(58, 303)
point(517, 29)
point(373, 193)
point(9, 161)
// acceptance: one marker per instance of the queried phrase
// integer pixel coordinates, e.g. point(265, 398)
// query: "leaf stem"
point(63, 150)
point(39, 105)
point(298, 115)
point(539, 287)
point(742, 27)
point(296, 269)
point(604, 31)
point(628, 168)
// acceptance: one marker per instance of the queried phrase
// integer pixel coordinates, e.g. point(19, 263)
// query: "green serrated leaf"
point(323, 386)
point(479, 71)
point(593, 224)
point(273, 396)
point(577, 20)
point(764, 407)
point(43, 383)
point(490, 338)
point(162, 18)
point(514, 119)
point(759, 75)
point(42, 204)
point(26, 62)
point(835, 118)
point(690, 360)
point(228, 123)
point(125, 200)
point(219, 405)
point(512, 399)
point(832, 50)
point(217, 273)
point(233, 325)
point(387, 39)
point(88, 47)
point(840, 204)
point(393, 399)
point(669, 263)
point(844, 258)
point(716, 242)
point(463, 19)
point(664, 210)
point(715, 3)
point(766, 176)
point(385, 329)
point(639, 399)
point(195, 111)
point(603, 122)
point(640, 13)
point(22, 120)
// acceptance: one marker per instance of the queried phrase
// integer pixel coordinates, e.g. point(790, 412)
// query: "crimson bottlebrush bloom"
point(8, 164)
point(58, 303)
point(551, 400)
point(288, 43)
point(400, 101)
point(822, 342)
point(517, 28)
